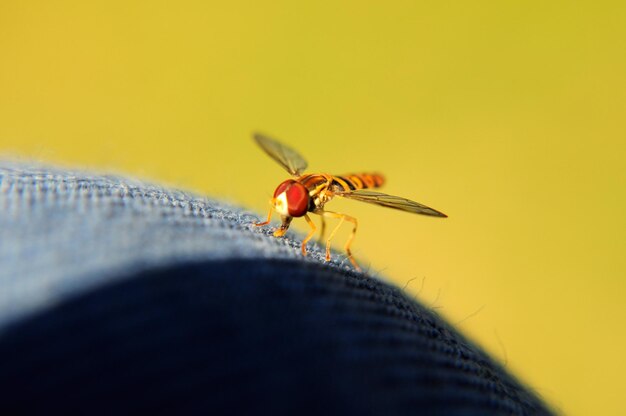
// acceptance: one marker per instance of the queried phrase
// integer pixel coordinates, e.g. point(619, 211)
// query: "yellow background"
point(508, 116)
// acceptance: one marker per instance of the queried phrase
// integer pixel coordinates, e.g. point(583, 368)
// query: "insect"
point(309, 193)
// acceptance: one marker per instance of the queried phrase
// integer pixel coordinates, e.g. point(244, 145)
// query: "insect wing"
point(391, 201)
point(287, 157)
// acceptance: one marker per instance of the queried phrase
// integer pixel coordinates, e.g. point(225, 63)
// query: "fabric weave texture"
point(118, 296)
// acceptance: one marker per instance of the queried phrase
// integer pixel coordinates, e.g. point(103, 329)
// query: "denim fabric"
point(123, 297)
point(63, 232)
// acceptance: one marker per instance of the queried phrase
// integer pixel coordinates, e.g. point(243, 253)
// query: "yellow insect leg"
point(322, 230)
point(269, 217)
point(342, 218)
point(308, 237)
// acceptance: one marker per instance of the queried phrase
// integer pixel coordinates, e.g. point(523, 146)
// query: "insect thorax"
point(317, 186)
point(318, 199)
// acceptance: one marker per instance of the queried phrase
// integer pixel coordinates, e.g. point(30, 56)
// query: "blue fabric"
point(120, 297)
point(64, 232)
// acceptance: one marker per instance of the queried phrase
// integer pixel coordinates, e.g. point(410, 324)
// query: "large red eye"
point(297, 199)
point(283, 186)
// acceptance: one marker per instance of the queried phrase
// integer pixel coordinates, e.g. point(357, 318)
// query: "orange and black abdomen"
point(354, 181)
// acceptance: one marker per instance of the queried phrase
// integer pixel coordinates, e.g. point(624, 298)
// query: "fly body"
point(309, 193)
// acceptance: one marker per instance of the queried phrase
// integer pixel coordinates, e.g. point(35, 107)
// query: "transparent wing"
point(287, 157)
point(391, 201)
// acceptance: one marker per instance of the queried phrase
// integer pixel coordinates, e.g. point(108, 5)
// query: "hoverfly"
point(309, 192)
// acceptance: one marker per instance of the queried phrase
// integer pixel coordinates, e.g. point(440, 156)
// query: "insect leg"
point(309, 235)
point(342, 218)
point(269, 217)
point(322, 230)
point(282, 230)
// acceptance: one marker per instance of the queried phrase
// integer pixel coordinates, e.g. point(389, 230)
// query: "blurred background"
point(507, 116)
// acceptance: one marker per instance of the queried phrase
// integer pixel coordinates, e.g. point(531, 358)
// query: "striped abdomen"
point(354, 181)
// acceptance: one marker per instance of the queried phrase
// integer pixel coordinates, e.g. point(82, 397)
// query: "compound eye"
point(283, 186)
point(297, 199)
